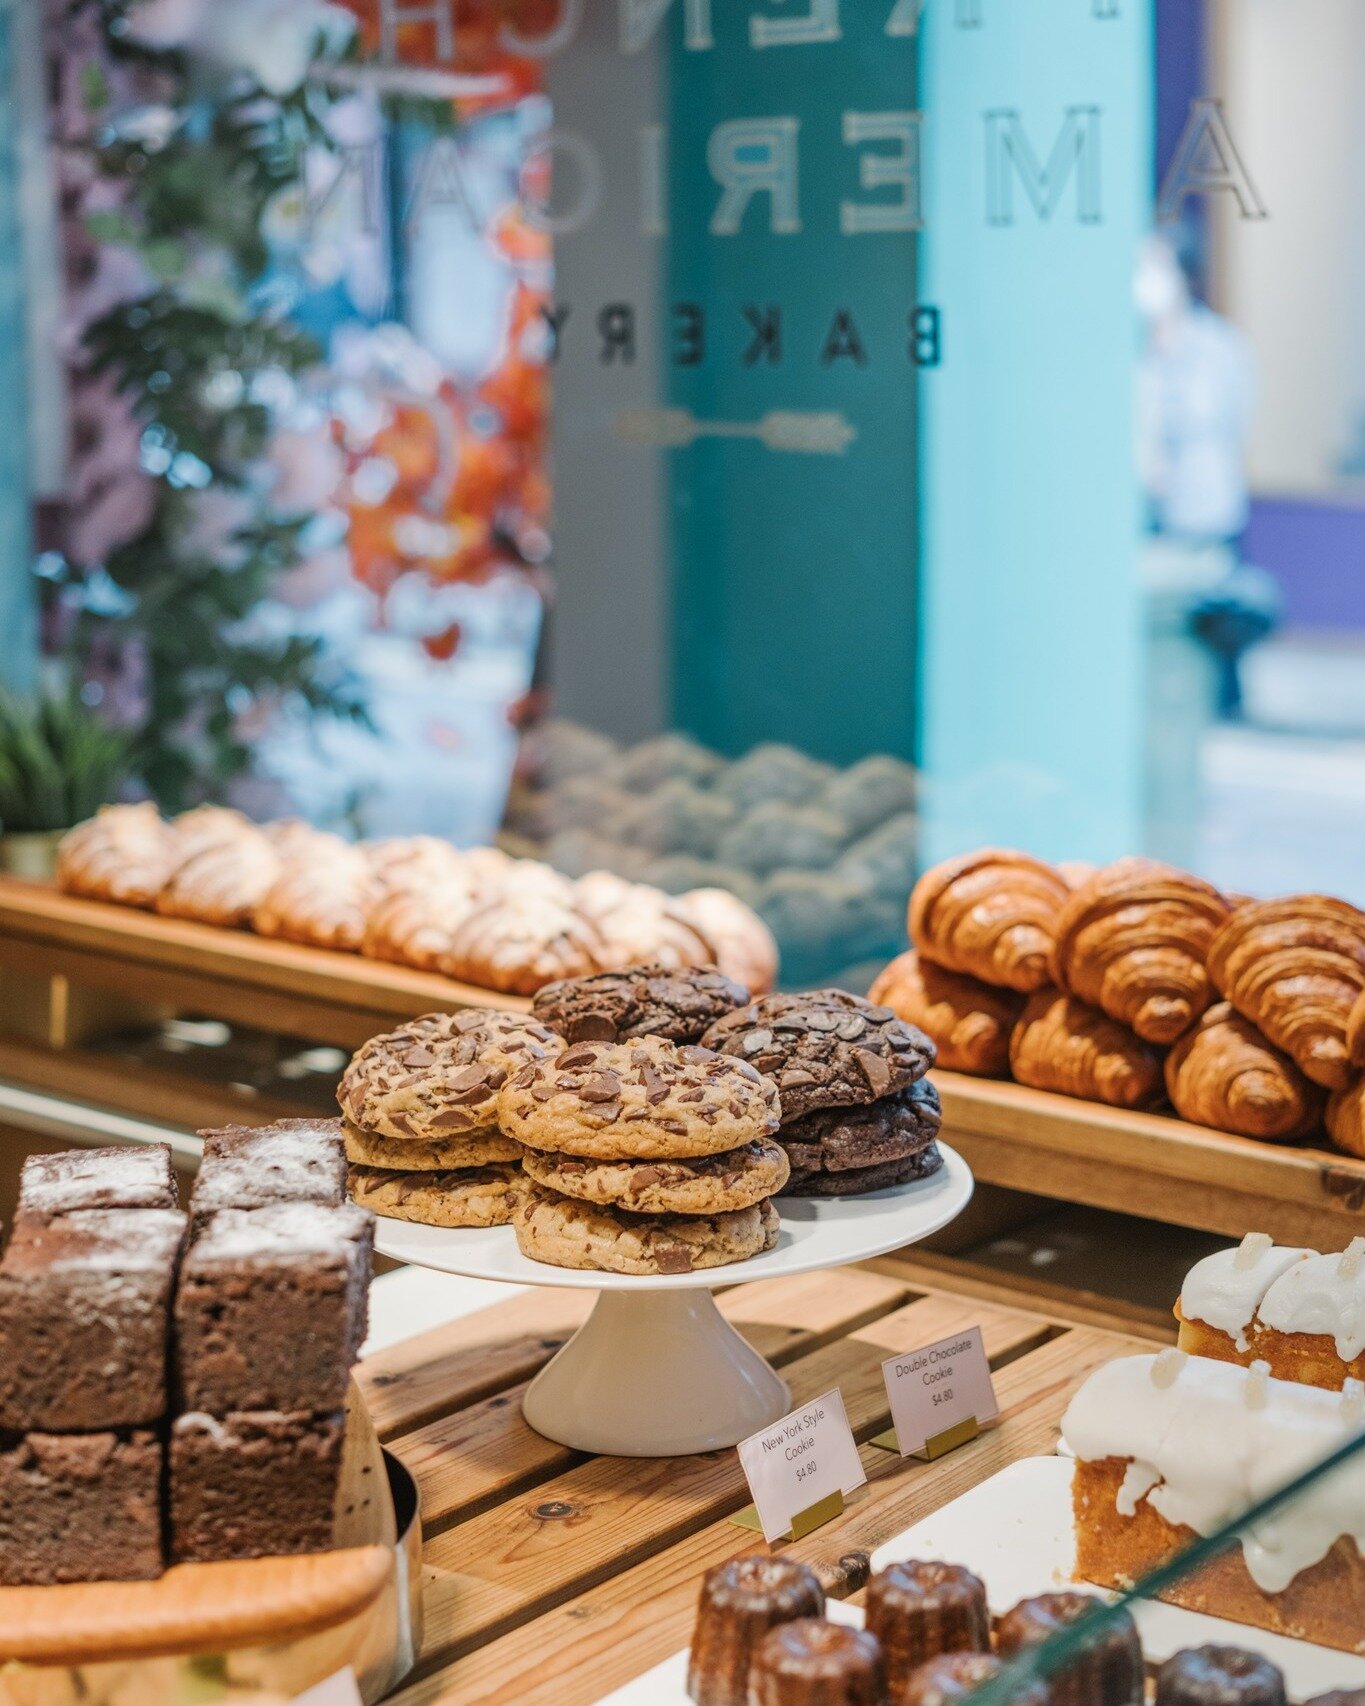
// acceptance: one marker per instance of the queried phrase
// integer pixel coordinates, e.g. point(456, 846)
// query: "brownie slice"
point(252, 1167)
point(134, 1176)
point(80, 1507)
point(253, 1486)
point(271, 1309)
point(84, 1317)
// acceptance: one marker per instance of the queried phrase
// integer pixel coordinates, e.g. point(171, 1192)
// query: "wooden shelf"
point(142, 959)
point(122, 962)
point(1152, 1165)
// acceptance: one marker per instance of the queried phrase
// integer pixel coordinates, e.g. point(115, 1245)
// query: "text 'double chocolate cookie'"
point(645, 1001)
point(824, 1048)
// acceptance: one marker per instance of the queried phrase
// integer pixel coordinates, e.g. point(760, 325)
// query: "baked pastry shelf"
point(1152, 1164)
point(169, 964)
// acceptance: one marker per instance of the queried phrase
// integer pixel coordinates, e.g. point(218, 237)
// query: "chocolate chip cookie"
point(648, 1001)
point(470, 1196)
point(708, 1184)
point(824, 1048)
point(439, 1076)
point(477, 1149)
point(857, 1181)
point(642, 1100)
point(836, 1140)
point(567, 1234)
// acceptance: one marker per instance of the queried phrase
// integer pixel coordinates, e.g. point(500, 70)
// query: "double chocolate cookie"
point(646, 1001)
point(824, 1048)
point(858, 1114)
point(845, 1151)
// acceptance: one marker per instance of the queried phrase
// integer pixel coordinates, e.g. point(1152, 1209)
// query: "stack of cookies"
point(858, 1114)
point(419, 1116)
point(645, 1156)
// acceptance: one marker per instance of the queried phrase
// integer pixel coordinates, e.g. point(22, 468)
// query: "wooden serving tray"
point(1153, 1164)
point(284, 1622)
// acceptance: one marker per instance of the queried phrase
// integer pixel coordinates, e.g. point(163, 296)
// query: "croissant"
point(1061, 1044)
point(413, 924)
point(1346, 1118)
point(990, 914)
point(1225, 1074)
point(123, 854)
point(1295, 967)
point(321, 897)
point(1133, 940)
point(223, 882)
point(522, 943)
point(1355, 1031)
point(968, 1022)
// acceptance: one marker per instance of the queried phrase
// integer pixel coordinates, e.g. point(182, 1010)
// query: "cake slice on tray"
point(1170, 1448)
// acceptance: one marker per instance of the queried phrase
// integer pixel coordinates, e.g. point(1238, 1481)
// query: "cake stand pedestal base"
point(655, 1374)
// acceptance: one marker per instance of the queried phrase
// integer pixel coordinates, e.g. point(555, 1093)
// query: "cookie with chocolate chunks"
point(568, 1234)
point(835, 1140)
point(824, 1048)
point(439, 1076)
point(466, 1196)
point(704, 1184)
point(646, 1001)
point(637, 1101)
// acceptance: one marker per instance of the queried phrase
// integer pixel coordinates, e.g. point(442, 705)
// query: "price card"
point(808, 1459)
point(942, 1389)
point(337, 1690)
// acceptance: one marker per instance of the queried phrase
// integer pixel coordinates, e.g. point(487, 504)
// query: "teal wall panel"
point(792, 598)
point(1030, 608)
point(18, 627)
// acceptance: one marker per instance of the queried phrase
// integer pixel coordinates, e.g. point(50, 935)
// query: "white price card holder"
point(340, 1689)
point(800, 1470)
point(940, 1396)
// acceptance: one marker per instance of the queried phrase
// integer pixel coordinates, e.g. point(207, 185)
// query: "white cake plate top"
point(817, 1232)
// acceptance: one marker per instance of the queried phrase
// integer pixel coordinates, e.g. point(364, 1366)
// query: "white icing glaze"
point(1325, 1294)
point(1225, 1289)
point(1202, 1455)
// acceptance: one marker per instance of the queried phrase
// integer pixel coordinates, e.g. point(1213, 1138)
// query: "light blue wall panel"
point(1031, 710)
point(18, 632)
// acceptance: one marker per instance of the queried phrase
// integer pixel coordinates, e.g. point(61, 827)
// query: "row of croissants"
point(1136, 983)
point(478, 915)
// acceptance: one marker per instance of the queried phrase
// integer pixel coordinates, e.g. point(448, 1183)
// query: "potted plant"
point(58, 765)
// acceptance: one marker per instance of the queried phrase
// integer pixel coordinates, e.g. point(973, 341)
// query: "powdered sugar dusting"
point(293, 1229)
point(74, 1179)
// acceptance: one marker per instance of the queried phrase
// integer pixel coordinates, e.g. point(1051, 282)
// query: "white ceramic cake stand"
point(656, 1370)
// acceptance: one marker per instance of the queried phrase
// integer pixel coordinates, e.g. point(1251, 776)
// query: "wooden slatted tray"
point(552, 1578)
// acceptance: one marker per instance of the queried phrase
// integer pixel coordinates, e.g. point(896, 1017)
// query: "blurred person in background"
point(1196, 396)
